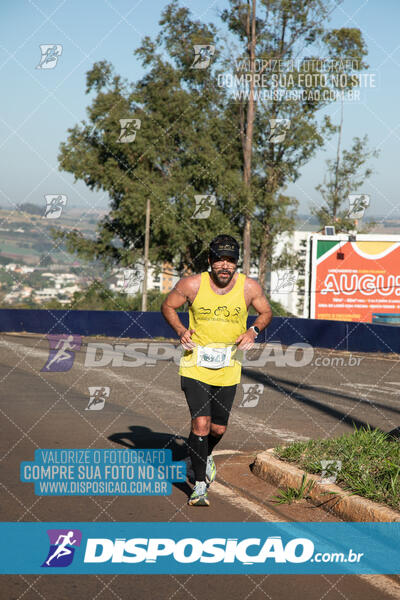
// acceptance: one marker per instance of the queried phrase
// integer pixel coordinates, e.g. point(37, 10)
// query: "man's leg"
point(198, 399)
point(198, 446)
point(221, 404)
point(222, 398)
point(215, 435)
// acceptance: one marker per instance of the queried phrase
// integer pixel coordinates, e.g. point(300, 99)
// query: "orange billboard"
point(352, 280)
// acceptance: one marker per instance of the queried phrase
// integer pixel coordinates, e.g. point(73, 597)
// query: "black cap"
point(224, 245)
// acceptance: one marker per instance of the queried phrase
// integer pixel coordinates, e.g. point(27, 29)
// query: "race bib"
point(213, 358)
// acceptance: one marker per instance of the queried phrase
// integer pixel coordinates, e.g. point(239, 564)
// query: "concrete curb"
point(346, 506)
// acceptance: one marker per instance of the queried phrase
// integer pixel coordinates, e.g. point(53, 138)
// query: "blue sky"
point(37, 105)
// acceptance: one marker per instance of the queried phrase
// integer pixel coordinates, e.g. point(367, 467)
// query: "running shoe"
point(211, 470)
point(199, 495)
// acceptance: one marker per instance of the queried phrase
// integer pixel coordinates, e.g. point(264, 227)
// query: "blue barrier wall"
point(340, 335)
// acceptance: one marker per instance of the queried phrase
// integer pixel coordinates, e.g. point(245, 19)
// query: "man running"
point(210, 367)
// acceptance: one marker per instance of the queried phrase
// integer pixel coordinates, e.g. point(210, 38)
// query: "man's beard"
point(224, 281)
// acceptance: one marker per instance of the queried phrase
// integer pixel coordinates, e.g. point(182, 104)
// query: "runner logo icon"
point(62, 352)
point(50, 53)
point(62, 547)
point(202, 55)
point(54, 205)
point(251, 394)
point(98, 396)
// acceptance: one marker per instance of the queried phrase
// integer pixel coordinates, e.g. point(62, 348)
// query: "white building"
point(45, 294)
point(10, 267)
point(130, 280)
point(287, 285)
point(25, 269)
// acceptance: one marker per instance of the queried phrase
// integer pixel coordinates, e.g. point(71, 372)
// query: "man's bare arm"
point(254, 295)
point(259, 301)
point(184, 291)
point(175, 299)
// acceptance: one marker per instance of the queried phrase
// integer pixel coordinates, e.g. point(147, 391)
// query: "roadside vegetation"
point(370, 462)
point(291, 494)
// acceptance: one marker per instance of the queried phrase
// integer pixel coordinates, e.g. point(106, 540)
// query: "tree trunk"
point(262, 269)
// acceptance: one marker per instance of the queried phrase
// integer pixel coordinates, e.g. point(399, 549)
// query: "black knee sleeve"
point(213, 440)
point(198, 450)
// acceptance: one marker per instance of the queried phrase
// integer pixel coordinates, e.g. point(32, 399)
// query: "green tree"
point(174, 157)
point(196, 138)
point(270, 34)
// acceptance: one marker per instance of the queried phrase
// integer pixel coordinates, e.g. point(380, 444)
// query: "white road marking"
point(383, 584)
point(243, 503)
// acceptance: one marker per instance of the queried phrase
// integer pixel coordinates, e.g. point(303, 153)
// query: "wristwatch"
point(257, 331)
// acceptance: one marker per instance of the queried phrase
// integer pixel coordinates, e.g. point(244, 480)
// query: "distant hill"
point(30, 208)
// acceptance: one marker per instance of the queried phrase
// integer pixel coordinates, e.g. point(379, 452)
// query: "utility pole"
point(146, 256)
point(247, 135)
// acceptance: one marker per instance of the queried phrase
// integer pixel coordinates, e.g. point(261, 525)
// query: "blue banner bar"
point(340, 335)
point(200, 548)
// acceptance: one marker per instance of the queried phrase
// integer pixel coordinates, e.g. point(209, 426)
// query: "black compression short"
point(205, 400)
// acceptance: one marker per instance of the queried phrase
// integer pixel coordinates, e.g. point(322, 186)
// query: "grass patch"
point(370, 462)
point(292, 494)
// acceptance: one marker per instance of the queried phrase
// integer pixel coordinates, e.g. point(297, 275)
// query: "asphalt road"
point(279, 402)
